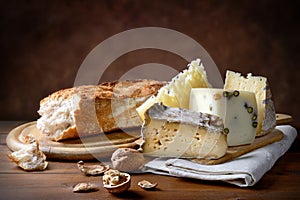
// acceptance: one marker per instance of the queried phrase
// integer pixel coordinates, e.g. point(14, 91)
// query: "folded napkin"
point(243, 171)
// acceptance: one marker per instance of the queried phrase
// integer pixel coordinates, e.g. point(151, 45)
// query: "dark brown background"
point(43, 43)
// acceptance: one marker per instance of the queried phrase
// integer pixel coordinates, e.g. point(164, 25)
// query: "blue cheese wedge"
point(238, 109)
point(259, 85)
point(176, 132)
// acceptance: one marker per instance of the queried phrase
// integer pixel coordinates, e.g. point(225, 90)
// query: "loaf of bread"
point(86, 110)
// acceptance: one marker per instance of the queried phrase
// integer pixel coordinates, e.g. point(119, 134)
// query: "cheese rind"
point(259, 85)
point(238, 109)
point(175, 132)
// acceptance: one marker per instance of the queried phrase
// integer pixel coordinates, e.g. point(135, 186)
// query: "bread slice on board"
point(86, 110)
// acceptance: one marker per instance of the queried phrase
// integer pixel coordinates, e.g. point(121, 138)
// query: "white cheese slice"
point(238, 109)
point(176, 132)
point(259, 85)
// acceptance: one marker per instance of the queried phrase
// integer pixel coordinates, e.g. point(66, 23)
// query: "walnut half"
point(115, 181)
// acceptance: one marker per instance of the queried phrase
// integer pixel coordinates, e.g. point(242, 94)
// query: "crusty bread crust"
point(103, 108)
point(109, 90)
point(70, 132)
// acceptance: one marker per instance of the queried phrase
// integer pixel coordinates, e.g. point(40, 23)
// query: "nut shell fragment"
point(147, 185)
point(85, 187)
point(92, 170)
point(116, 182)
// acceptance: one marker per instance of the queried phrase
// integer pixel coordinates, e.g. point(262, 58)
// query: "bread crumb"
point(30, 158)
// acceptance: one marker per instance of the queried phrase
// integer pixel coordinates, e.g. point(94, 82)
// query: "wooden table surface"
point(281, 182)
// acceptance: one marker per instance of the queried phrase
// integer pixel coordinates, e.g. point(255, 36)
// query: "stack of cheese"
point(188, 118)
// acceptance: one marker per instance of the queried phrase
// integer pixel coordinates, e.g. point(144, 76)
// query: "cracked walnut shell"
point(92, 170)
point(147, 185)
point(115, 181)
point(85, 187)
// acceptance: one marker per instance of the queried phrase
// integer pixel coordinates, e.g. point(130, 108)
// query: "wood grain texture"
point(281, 182)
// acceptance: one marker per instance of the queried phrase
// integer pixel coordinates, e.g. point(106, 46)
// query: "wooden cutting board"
point(103, 145)
point(84, 148)
point(233, 152)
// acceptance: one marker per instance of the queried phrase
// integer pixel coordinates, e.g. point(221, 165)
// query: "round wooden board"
point(84, 148)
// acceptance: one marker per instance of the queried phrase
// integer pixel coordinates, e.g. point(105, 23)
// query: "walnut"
point(127, 159)
point(115, 181)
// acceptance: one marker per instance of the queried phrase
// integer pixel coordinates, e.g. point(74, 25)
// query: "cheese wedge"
point(176, 132)
point(238, 109)
point(259, 85)
point(177, 92)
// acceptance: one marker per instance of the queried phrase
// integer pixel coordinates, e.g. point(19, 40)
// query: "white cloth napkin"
point(243, 171)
